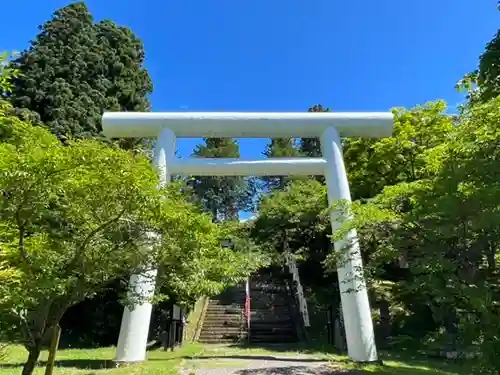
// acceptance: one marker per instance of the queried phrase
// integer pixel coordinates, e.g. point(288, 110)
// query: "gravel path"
point(259, 365)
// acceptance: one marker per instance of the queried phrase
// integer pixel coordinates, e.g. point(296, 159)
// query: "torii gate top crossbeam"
point(247, 124)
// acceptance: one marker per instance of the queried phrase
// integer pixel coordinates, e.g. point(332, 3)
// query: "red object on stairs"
point(246, 309)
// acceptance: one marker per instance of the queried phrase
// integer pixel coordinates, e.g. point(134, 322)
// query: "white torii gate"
point(328, 126)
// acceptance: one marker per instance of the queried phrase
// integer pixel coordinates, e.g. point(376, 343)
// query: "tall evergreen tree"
point(279, 147)
point(488, 75)
point(223, 197)
point(311, 146)
point(76, 69)
point(483, 84)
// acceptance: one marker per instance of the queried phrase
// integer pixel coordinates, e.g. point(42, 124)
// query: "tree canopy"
point(276, 148)
point(74, 218)
point(222, 197)
point(76, 69)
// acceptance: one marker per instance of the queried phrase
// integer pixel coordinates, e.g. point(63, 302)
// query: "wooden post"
point(54, 344)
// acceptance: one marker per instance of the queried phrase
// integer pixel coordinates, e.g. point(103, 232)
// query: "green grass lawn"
point(96, 361)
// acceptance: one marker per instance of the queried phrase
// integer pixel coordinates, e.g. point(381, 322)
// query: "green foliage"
point(488, 77)
point(223, 197)
point(280, 147)
point(374, 164)
point(300, 211)
point(295, 219)
point(195, 263)
point(74, 218)
point(447, 226)
point(67, 226)
point(7, 74)
point(76, 69)
point(431, 196)
point(483, 84)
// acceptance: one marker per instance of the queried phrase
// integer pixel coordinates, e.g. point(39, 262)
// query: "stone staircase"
point(224, 321)
point(271, 317)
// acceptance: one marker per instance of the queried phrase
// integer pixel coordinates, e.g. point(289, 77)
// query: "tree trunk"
point(385, 322)
point(34, 354)
point(44, 319)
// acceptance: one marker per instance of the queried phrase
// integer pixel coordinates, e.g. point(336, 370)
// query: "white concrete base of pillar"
point(134, 329)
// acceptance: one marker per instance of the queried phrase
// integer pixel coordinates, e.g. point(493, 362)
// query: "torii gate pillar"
point(328, 126)
point(353, 293)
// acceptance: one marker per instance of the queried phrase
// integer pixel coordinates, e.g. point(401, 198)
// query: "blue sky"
point(277, 55)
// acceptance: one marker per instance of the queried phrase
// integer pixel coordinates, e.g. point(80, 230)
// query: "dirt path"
point(259, 365)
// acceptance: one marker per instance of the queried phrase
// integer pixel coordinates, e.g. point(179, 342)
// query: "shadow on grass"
point(83, 364)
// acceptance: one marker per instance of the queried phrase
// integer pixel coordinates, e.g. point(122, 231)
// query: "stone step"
point(227, 320)
point(255, 306)
point(222, 325)
point(276, 323)
point(222, 336)
point(283, 333)
point(220, 331)
point(230, 308)
point(217, 306)
point(271, 323)
point(223, 319)
point(224, 311)
point(273, 298)
point(261, 305)
point(208, 325)
point(221, 340)
point(269, 315)
point(268, 301)
point(270, 304)
point(272, 330)
point(228, 301)
point(224, 315)
point(267, 298)
point(215, 340)
point(271, 309)
point(223, 322)
point(272, 318)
